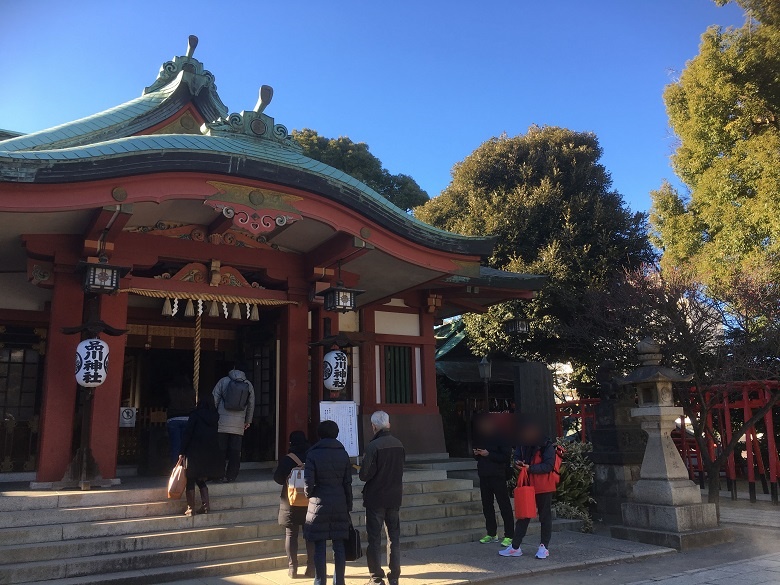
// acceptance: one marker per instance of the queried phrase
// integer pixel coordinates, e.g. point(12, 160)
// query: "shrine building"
point(228, 244)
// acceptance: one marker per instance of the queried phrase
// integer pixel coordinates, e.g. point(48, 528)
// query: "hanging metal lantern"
point(516, 326)
point(102, 278)
point(335, 369)
point(91, 362)
point(340, 298)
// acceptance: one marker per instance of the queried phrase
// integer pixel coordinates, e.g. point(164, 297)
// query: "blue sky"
point(422, 82)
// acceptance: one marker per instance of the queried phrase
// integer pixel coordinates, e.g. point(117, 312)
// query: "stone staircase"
point(135, 535)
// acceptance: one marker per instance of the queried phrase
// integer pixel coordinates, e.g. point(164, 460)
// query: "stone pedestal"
point(535, 394)
point(665, 507)
point(618, 448)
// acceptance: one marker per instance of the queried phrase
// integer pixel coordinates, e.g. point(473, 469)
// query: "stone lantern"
point(665, 507)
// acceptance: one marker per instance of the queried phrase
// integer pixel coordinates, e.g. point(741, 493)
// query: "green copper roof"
point(237, 145)
point(249, 144)
point(86, 130)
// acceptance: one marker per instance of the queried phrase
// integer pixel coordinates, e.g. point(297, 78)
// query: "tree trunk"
point(713, 483)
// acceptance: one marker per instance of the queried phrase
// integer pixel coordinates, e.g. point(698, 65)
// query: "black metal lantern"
point(101, 277)
point(485, 369)
point(340, 298)
point(516, 326)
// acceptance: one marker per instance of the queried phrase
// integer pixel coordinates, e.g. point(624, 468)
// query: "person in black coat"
point(328, 480)
point(493, 455)
point(200, 445)
point(293, 517)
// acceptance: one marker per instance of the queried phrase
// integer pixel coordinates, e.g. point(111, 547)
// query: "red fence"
point(733, 403)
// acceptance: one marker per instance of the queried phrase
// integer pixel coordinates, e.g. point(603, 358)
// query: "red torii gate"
point(747, 396)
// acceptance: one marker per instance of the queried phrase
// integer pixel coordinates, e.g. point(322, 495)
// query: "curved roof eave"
point(234, 156)
point(125, 119)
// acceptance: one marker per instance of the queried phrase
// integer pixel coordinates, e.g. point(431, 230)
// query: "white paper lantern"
point(91, 362)
point(335, 369)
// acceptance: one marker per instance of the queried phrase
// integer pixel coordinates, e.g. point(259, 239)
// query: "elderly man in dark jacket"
point(328, 485)
point(383, 472)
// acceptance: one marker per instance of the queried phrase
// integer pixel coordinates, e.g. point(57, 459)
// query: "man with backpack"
point(234, 397)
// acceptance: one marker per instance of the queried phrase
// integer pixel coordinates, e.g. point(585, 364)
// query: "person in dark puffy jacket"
point(180, 403)
point(492, 455)
point(536, 454)
point(200, 445)
point(328, 480)
point(293, 517)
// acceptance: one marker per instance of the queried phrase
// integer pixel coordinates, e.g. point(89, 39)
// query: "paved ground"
point(755, 571)
point(480, 563)
point(753, 558)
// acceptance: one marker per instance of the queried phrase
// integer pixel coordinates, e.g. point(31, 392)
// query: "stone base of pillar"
point(680, 527)
point(680, 541)
point(670, 492)
point(613, 486)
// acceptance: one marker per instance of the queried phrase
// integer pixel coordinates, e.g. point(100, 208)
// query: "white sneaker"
point(542, 553)
point(511, 552)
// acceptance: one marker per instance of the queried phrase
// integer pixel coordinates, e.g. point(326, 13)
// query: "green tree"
point(551, 203)
point(716, 340)
point(725, 110)
point(355, 159)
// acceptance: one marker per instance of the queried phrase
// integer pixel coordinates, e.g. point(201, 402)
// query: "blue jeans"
point(175, 436)
point(320, 563)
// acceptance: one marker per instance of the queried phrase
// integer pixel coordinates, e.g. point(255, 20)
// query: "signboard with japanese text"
point(345, 414)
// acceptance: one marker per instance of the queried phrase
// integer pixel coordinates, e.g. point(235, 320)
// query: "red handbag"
point(525, 497)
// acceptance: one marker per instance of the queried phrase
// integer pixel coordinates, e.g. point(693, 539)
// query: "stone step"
point(91, 547)
point(257, 563)
point(414, 482)
point(416, 494)
point(265, 517)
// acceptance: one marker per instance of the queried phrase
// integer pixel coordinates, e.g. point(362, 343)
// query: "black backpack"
point(236, 395)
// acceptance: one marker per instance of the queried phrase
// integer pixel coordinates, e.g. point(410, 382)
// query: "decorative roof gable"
point(189, 71)
point(254, 124)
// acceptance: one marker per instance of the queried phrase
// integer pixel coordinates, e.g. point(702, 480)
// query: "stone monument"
point(665, 508)
point(618, 445)
point(535, 394)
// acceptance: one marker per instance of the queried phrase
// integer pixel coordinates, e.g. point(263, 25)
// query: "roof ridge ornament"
point(253, 124)
point(193, 74)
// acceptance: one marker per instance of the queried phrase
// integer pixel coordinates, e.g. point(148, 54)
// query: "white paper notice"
point(343, 413)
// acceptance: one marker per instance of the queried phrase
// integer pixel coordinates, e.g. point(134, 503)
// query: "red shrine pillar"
point(108, 396)
point(59, 380)
point(294, 372)
point(428, 358)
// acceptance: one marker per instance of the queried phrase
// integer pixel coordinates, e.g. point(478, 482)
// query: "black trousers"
point(544, 508)
point(495, 487)
point(291, 547)
point(375, 518)
point(231, 449)
point(192, 481)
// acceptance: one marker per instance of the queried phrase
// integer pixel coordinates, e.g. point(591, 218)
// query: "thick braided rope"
point(196, 357)
point(161, 294)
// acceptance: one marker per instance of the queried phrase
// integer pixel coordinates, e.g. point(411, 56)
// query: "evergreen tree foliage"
point(355, 159)
point(550, 202)
point(725, 110)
